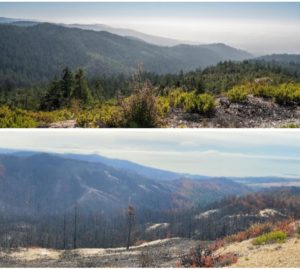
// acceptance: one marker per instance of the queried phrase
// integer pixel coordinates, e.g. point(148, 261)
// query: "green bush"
point(16, 118)
point(283, 94)
point(163, 106)
point(206, 103)
point(192, 102)
point(202, 104)
point(262, 90)
point(287, 94)
point(177, 97)
point(271, 237)
point(238, 94)
point(44, 118)
point(291, 125)
point(105, 116)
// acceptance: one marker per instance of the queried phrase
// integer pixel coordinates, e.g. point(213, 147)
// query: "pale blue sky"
point(207, 152)
point(256, 27)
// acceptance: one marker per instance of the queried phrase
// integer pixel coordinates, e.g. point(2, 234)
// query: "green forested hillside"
point(50, 73)
point(282, 58)
point(35, 54)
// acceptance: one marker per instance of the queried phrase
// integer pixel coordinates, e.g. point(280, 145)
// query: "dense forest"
point(35, 54)
point(50, 73)
point(144, 99)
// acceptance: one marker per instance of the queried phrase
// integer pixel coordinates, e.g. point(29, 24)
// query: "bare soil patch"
point(253, 113)
point(159, 253)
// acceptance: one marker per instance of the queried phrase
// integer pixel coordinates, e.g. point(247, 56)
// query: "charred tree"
point(130, 215)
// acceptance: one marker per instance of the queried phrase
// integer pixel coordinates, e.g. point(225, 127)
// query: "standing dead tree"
point(75, 227)
point(65, 242)
point(130, 214)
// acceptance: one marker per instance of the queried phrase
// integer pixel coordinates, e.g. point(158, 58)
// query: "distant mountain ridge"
point(281, 58)
point(38, 53)
point(124, 32)
point(39, 183)
point(129, 33)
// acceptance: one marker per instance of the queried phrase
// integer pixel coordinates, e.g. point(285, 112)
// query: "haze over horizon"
point(260, 28)
point(203, 152)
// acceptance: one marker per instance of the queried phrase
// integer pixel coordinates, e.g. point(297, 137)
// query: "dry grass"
point(32, 254)
point(272, 255)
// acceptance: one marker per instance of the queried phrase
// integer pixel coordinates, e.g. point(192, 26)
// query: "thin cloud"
point(216, 153)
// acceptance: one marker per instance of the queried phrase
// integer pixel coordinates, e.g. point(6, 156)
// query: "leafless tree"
point(130, 213)
point(75, 227)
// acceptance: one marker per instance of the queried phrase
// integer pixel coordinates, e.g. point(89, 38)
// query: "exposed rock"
point(253, 113)
point(63, 124)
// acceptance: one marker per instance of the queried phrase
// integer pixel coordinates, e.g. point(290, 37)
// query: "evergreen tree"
point(53, 98)
point(81, 90)
point(67, 85)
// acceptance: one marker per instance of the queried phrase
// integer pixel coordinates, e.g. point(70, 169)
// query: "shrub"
point(253, 231)
point(206, 103)
point(163, 106)
point(217, 244)
point(197, 257)
point(203, 257)
point(286, 226)
point(238, 94)
point(16, 118)
point(283, 95)
point(140, 109)
point(226, 259)
point(271, 237)
point(262, 90)
point(105, 116)
point(291, 125)
point(177, 97)
point(44, 118)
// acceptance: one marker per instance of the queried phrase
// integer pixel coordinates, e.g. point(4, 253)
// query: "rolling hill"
point(156, 40)
point(44, 184)
point(36, 54)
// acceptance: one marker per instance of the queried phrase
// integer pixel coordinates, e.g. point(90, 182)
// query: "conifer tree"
point(81, 90)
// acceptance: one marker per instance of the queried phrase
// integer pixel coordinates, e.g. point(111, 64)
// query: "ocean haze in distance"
point(203, 152)
point(260, 28)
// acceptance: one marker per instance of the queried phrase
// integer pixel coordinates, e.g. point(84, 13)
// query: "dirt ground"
point(159, 253)
point(253, 113)
point(271, 255)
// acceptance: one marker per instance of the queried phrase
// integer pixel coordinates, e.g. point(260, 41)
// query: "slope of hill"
point(145, 171)
point(281, 58)
point(205, 191)
point(284, 255)
point(156, 40)
point(44, 183)
point(36, 54)
point(238, 213)
point(160, 253)
point(124, 32)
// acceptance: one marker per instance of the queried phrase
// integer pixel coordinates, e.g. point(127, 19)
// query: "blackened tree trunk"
point(75, 228)
point(65, 242)
point(130, 213)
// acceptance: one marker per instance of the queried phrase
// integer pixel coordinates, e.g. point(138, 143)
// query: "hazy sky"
point(218, 153)
point(256, 27)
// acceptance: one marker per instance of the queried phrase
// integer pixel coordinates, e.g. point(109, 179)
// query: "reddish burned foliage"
point(203, 257)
